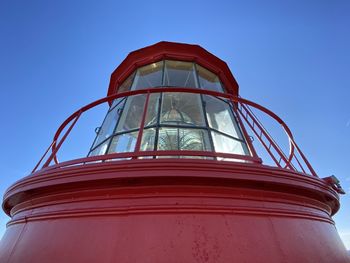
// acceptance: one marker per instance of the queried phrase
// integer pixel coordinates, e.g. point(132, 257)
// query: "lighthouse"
point(174, 175)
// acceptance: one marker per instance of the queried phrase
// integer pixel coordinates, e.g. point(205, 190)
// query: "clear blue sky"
point(291, 56)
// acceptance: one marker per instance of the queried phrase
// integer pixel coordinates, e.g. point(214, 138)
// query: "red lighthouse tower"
point(173, 176)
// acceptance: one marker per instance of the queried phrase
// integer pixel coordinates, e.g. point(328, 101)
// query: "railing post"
point(42, 157)
point(268, 137)
point(273, 142)
point(53, 154)
point(245, 133)
point(242, 105)
point(304, 159)
point(142, 124)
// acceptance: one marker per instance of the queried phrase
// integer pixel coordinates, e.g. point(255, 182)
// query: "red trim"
point(234, 99)
point(261, 176)
point(177, 51)
point(142, 126)
point(56, 148)
point(41, 159)
point(245, 134)
point(135, 155)
point(218, 204)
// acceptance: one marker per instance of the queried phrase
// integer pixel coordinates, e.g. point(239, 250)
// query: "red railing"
point(241, 106)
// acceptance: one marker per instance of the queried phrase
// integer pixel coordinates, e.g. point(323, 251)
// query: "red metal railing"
point(242, 107)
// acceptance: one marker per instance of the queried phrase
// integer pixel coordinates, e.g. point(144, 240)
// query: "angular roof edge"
point(176, 51)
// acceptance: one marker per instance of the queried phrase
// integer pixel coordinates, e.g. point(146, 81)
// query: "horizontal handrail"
point(266, 134)
point(55, 145)
point(130, 155)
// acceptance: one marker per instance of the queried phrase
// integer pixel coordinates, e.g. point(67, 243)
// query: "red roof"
point(175, 51)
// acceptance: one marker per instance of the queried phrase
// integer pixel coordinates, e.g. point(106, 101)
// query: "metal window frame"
point(70, 122)
point(92, 148)
point(223, 90)
point(158, 125)
point(204, 109)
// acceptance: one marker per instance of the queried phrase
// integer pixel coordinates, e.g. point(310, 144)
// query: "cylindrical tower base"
point(166, 211)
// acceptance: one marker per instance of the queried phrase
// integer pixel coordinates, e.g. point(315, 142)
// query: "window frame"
point(158, 125)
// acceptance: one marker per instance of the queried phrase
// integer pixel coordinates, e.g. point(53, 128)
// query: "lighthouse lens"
point(173, 121)
point(182, 109)
point(183, 139)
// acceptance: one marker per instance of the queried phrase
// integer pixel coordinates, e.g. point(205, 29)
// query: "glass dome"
point(173, 120)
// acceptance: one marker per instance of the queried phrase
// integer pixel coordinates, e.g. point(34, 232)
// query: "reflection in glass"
point(182, 109)
point(149, 76)
point(123, 143)
point(116, 102)
point(100, 150)
point(220, 116)
point(126, 84)
point(208, 80)
point(148, 138)
point(132, 113)
point(176, 74)
point(109, 124)
point(152, 109)
point(183, 139)
point(226, 144)
point(179, 74)
point(173, 120)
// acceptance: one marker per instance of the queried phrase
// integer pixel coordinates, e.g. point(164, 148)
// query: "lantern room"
point(174, 175)
point(174, 121)
point(167, 101)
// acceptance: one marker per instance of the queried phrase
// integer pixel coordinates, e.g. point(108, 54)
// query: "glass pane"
point(148, 137)
point(152, 109)
point(220, 117)
point(100, 150)
point(183, 139)
point(109, 124)
point(149, 76)
point(132, 113)
point(180, 74)
point(126, 84)
point(225, 144)
point(182, 109)
point(123, 143)
point(116, 102)
point(208, 80)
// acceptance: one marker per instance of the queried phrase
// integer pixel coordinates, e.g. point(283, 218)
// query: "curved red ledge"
point(167, 172)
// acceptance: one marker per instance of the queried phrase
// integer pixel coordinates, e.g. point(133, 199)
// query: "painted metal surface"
point(105, 209)
point(167, 211)
point(240, 102)
point(176, 51)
